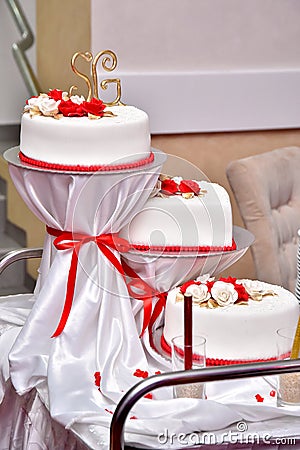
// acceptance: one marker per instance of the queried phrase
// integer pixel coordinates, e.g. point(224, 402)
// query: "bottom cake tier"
point(238, 318)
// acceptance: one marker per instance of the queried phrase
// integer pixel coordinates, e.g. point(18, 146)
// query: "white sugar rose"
point(77, 99)
point(204, 278)
point(48, 106)
point(199, 292)
point(177, 180)
point(224, 293)
point(34, 102)
point(255, 289)
point(252, 286)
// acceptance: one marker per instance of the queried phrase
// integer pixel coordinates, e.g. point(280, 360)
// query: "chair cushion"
point(267, 191)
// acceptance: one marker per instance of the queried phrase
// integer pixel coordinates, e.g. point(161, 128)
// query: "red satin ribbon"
point(140, 290)
point(66, 240)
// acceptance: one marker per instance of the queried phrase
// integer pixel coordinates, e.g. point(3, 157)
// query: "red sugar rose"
point(209, 285)
point(189, 186)
point(56, 94)
point(228, 280)
point(169, 186)
point(242, 293)
point(70, 109)
point(95, 107)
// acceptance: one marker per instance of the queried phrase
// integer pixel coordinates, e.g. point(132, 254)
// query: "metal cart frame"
point(190, 376)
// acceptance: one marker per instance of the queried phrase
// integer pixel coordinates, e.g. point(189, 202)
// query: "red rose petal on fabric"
point(56, 94)
point(169, 186)
point(259, 398)
point(158, 372)
point(109, 411)
point(141, 373)
point(133, 417)
point(273, 393)
point(97, 378)
point(149, 396)
point(189, 186)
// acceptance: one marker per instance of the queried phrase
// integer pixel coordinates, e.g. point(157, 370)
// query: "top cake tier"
point(119, 140)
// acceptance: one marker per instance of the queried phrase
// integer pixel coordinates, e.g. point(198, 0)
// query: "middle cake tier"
point(183, 215)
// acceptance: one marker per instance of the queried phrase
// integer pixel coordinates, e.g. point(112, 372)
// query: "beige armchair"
point(267, 190)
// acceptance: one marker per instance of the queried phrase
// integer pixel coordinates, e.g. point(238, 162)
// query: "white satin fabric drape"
point(100, 334)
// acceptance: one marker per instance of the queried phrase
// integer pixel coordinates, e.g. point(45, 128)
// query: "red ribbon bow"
point(65, 240)
point(140, 290)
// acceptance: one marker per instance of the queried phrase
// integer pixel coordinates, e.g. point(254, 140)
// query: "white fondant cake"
point(235, 331)
point(121, 138)
point(179, 222)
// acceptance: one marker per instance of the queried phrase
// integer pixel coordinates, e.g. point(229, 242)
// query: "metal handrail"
point(16, 255)
point(19, 48)
point(189, 376)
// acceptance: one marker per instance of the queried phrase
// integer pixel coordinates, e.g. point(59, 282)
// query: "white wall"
point(205, 65)
point(13, 90)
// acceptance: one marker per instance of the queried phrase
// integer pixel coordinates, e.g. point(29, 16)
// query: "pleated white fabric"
point(100, 334)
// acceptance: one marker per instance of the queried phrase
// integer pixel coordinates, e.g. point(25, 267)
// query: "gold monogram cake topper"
point(109, 63)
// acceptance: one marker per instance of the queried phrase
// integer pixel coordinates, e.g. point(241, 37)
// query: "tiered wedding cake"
point(87, 171)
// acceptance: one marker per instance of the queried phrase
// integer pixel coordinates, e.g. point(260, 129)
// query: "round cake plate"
point(12, 157)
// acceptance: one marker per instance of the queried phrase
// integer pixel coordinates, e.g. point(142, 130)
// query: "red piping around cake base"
point(220, 362)
point(178, 249)
point(80, 168)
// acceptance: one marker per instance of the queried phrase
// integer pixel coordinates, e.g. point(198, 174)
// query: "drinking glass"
point(288, 383)
point(198, 361)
